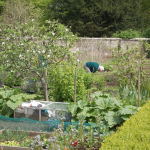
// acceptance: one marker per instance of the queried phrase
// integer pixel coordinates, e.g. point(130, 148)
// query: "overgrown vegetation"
point(85, 18)
point(107, 112)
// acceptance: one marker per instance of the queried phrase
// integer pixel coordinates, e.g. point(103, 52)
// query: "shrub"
point(127, 34)
point(134, 134)
point(62, 83)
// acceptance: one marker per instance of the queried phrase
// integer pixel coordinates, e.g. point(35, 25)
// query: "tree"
point(99, 17)
point(31, 49)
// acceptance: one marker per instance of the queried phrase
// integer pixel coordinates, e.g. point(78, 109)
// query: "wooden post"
point(40, 117)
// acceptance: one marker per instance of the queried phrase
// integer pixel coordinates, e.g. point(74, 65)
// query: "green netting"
point(26, 124)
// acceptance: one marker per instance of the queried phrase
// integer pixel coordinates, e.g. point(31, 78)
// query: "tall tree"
point(99, 17)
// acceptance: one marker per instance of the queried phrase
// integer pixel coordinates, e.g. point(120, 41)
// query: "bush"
point(62, 83)
point(127, 34)
point(134, 134)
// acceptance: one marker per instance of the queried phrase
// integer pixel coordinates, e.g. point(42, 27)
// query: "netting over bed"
point(26, 124)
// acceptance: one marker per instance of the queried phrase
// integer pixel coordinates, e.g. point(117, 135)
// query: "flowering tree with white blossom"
point(31, 49)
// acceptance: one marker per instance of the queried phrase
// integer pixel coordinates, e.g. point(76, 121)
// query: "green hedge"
point(133, 135)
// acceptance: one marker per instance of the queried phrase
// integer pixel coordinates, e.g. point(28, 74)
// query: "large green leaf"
point(107, 103)
point(112, 118)
point(128, 110)
point(73, 108)
point(6, 93)
point(81, 104)
point(13, 105)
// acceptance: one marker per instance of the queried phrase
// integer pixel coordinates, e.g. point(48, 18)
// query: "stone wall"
point(100, 49)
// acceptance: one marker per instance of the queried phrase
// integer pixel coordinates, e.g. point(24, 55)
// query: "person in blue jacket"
point(93, 67)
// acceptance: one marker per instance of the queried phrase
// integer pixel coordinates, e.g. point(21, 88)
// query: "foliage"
point(62, 82)
point(130, 135)
point(128, 68)
point(102, 109)
point(74, 137)
point(146, 89)
point(94, 81)
point(2, 2)
point(108, 67)
point(14, 138)
point(127, 34)
point(87, 18)
point(147, 49)
point(11, 99)
point(19, 11)
point(10, 79)
point(100, 18)
point(31, 48)
point(146, 33)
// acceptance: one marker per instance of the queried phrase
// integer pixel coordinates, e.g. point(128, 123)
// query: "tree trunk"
point(45, 85)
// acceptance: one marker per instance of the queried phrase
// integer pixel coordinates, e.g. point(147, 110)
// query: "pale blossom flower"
point(43, 51)
point(20, 56)
point(53, 33)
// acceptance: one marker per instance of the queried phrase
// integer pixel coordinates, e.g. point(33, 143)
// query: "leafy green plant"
point(134, 134)
point(62, 80)
point(127, 34)
point(94, 81)
point(11, 99)
point(103, 110)
point(129, 70)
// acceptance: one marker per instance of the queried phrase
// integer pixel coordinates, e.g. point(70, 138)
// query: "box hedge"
point(133, 135)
